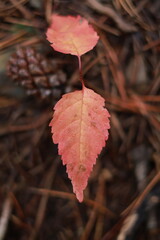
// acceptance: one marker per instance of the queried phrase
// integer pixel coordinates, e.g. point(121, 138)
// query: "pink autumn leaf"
point(80, 127)
point(71, 35)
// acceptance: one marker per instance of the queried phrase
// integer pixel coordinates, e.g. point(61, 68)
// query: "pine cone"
point(37, 74)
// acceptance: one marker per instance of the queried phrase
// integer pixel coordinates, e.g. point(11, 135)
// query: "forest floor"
point(122, 199)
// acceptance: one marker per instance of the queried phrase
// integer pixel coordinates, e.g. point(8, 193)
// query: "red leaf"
point(72, 35)
point(80, 127)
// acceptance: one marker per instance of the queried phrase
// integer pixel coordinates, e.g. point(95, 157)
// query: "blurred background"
point(122, 199)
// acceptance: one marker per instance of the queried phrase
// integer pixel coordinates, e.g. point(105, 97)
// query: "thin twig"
point(7, 207)
point(40, 120)
point(105, 9)
point(71, 196)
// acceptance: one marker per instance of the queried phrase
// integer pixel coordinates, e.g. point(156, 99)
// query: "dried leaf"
point(72, 35)
point(80, 127)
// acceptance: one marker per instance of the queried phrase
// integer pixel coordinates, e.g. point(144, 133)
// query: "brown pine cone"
point(37, 74)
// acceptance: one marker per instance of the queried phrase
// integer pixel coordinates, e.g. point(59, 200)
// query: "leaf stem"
point(80, 72)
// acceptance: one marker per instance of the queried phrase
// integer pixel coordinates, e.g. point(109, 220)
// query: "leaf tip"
point(79, 196)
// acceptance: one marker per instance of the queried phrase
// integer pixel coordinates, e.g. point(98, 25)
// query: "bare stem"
point(80, 71)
